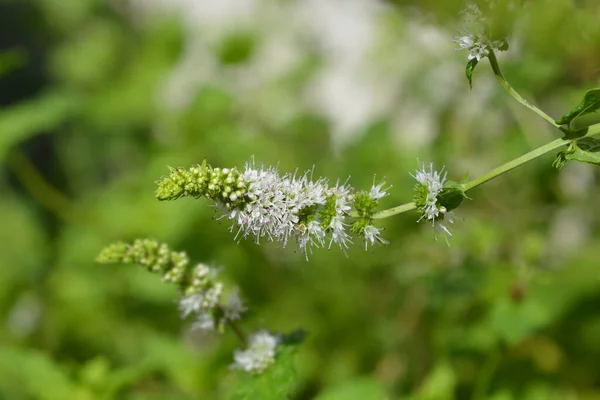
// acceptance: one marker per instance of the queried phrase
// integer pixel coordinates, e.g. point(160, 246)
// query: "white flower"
point(337, 225)
point(204, 321)
point(377, 192)
point(338, 232)
point(442, 227)
point(189, 304)
point(371, 235)
point(433, 183)
point(279, 207)
point(202, 301)
point(473, 38)
point(259, 354)
point(274, 202)
point(311, 235)
point(234, 307)
point(478, 45)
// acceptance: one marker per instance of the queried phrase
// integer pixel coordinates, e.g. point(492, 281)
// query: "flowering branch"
point(201, 295)
point(263, 204)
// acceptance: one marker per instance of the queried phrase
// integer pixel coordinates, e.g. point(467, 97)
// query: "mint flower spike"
point(201, 292)
point(259, 355)
point(264, 204)
point(428, 192)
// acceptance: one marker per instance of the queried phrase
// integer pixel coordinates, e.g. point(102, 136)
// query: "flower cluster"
point(201, 293)
point(428, 198)
point(474, 38)
point(263, 204)
point(259, 354)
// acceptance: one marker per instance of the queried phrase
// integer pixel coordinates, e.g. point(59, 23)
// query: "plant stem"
point(394, 211)
point(540, 151)
point(46, 194)
point(238, 332)
point(504, 83)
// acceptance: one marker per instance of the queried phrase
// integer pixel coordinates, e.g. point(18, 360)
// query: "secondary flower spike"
point(264, 204)
point(201, 293)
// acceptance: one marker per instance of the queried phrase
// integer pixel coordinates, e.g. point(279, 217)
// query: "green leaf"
point(34, 373)
point(357, 389)
point(278, 380)
point(589, 104)
point(452, 195)
point(513, 321)
point(39, 115)
point(439, 384)
point(469, 70)
point(583, 150)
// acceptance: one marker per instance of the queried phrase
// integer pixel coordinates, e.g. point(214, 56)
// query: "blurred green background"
point(99, 97)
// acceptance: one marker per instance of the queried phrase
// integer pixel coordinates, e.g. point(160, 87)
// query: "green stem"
point(504, 83)
point(394, 211)
point(540, 151)
point(237, 330)
point(46, 194)
point(532, 155)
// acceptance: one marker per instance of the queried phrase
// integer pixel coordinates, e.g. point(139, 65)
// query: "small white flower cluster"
point(259, 355)
point(203, 298)
point(474, 38)
point(273, 203)
point(263, 204)
point(432, 183)
point(279, 207)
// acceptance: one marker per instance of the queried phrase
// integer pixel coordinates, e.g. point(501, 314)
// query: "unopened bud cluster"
point(201, 293)
point(263, 204)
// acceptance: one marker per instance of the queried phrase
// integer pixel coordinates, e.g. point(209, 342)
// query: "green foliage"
point(39, 115)
point(452, 195)
point(514, 320)
point(439, 384)
point(357, 389)
point(584, 150)
point(30, 369)
point(101, 99)
point(589, 104)
point(470, 69)
point(11, 60)
point(278, 381)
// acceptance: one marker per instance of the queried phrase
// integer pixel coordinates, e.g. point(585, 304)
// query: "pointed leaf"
point(469, 70)
point(589, 104)
point(452, 195)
